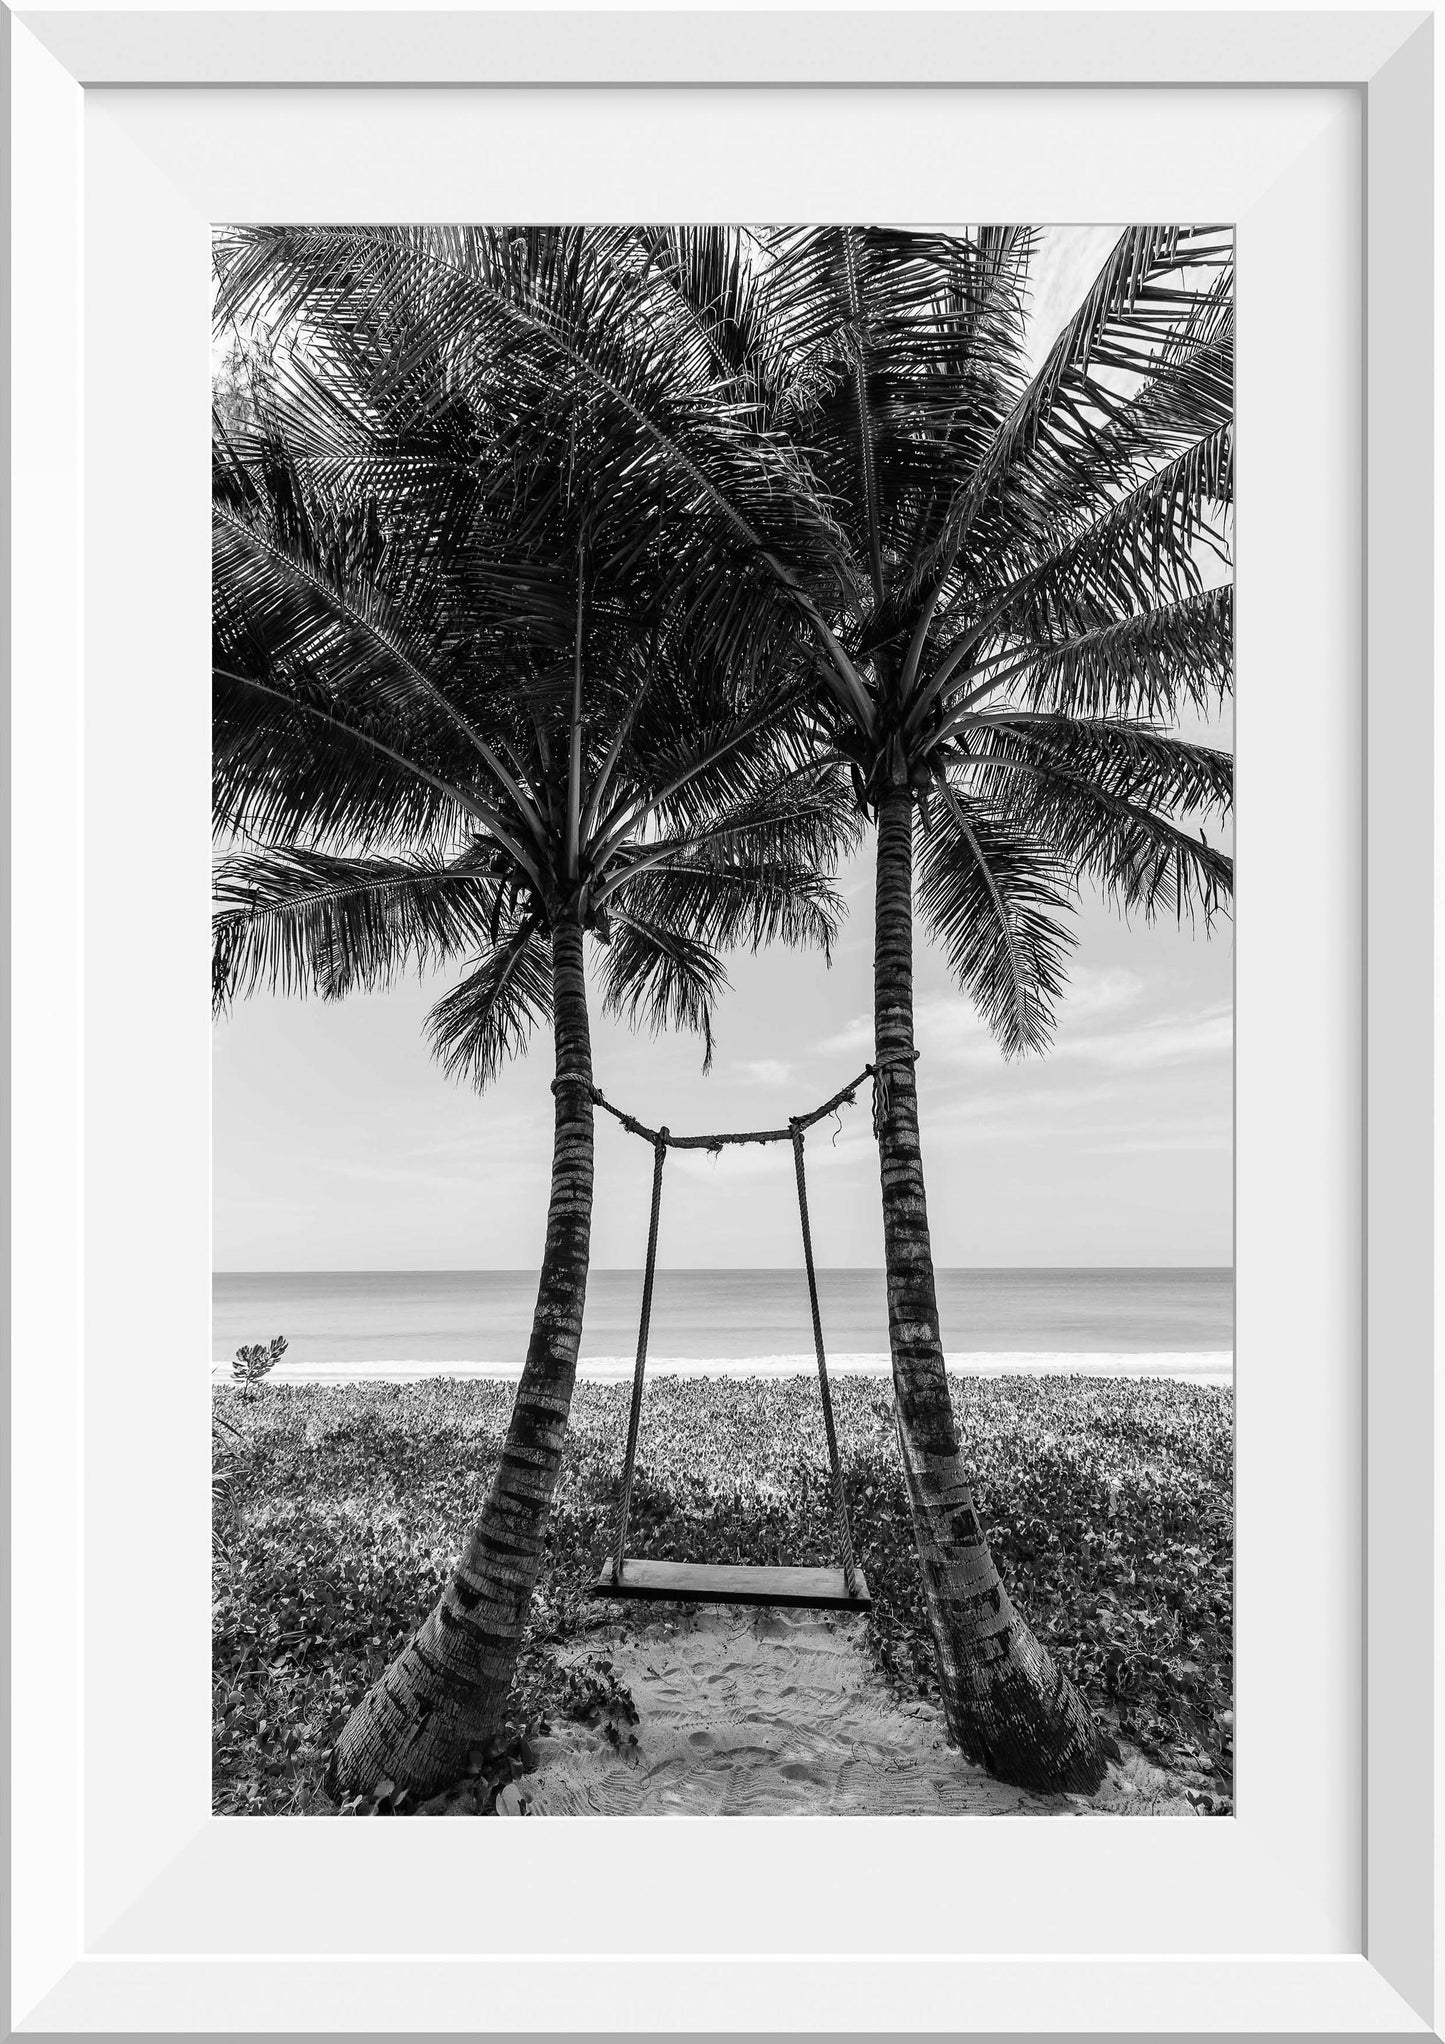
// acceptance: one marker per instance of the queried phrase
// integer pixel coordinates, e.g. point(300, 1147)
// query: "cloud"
point(944, 1025)
point(1095, 990)
point(732, 1164)
point(949, 1032)
point(1165, 1040)
point(1046, 1101)
point(480, 1170)
point(764, 1071)
point(1168, 1139)
point(855, 1038)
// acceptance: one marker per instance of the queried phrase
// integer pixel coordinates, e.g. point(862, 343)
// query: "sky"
point(338, 1144)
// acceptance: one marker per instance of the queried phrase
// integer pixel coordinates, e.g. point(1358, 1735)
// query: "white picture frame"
point(131, 1908)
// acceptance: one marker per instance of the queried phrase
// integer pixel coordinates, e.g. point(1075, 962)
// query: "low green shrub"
point(1109, 1505)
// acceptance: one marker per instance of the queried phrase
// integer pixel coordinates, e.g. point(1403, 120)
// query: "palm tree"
point(441, 735)
point(1022, 605)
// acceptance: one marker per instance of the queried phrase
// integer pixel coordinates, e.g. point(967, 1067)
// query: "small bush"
point(254, 1359)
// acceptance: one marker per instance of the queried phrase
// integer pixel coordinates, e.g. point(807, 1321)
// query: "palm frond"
point(1186, 394)
point(1150, 288)
point(1126, 756)
point(568, 315)
point(666, 978)
point(489, 1016)
point(1090, 804)
point(905, 350)
point(996, 900)
point(1143, 551)
point(713, 282)
point(1152, 663)
point(299, 922)
point(798, 823)
point(285, 767)
point(725, 897)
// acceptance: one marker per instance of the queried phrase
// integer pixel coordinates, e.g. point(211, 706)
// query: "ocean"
point(343, 1323)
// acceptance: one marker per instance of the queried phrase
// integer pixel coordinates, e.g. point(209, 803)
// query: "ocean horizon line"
point(705, 1315)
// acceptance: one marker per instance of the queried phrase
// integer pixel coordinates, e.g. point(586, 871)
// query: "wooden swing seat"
point(692, 1582)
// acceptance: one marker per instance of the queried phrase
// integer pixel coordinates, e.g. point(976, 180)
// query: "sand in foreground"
point(781, 1713)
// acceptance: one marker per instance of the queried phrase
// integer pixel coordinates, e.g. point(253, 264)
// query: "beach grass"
point(340, 1508)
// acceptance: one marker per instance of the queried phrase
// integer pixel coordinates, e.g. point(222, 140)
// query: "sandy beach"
point(780, 1713)
point(1212, 1366)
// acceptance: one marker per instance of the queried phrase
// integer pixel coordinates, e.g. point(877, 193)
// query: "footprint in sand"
point(721, 1707)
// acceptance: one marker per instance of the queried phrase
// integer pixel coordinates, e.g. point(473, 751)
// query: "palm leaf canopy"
point(817, 458)
point(462, 688)
point(1043, 558)
point(1016, 577)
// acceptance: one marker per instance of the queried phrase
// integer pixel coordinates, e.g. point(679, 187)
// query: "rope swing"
point(621, 1577)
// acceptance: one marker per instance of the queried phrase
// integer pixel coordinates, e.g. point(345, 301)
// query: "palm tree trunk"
point(1009, 1707)
point(446, 1690)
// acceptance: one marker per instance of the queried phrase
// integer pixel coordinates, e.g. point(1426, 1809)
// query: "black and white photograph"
point(723, 1020)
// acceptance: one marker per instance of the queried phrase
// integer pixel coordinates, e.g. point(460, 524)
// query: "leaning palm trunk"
point(447, 1688)
point(1006, 1703)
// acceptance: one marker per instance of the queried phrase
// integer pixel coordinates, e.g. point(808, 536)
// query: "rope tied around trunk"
point(882, 1084)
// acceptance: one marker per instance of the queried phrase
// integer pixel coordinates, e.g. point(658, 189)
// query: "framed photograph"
point(645, 541)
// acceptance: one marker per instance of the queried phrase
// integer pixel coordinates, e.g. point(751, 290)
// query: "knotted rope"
point(846, 1096)
point(882, 1085)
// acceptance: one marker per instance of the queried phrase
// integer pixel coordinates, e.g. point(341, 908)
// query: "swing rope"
point(659, 1158)
point(840, 1498)
point(662, 1140)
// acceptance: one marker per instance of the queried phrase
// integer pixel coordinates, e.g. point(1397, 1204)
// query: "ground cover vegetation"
point(1108, 1503)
